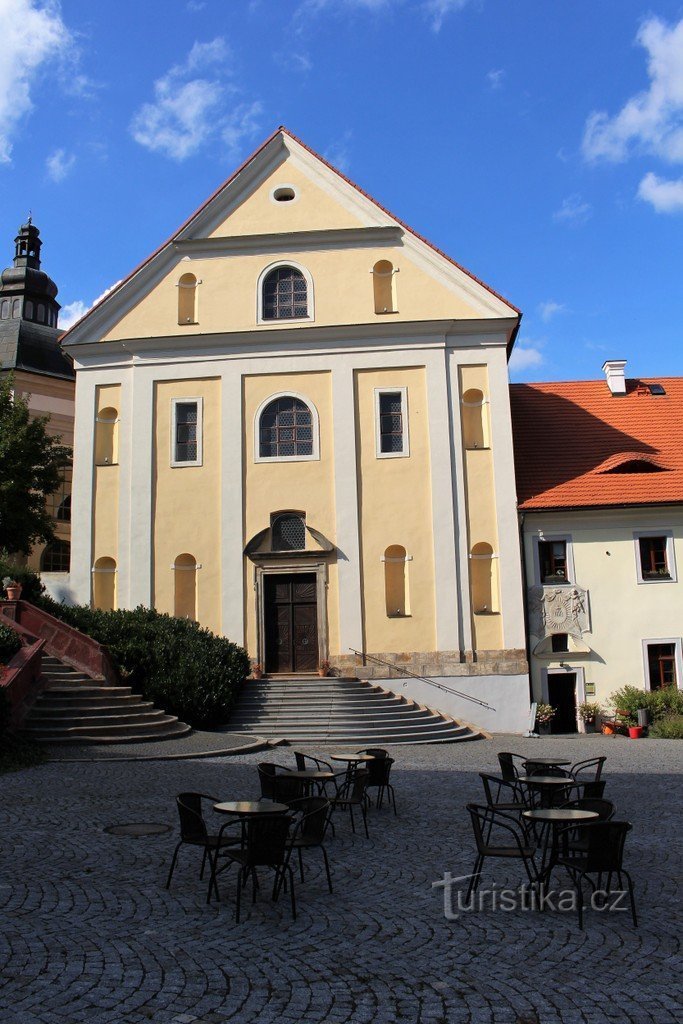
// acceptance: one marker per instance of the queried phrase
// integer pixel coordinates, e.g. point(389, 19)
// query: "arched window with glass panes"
point(285, 295)
point(287, 429)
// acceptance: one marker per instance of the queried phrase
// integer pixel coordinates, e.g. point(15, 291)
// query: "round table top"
point(560, 814)
point(545, 780)
point(546, 760)
point(353, 758)
point(309, 773)
point(246, 807)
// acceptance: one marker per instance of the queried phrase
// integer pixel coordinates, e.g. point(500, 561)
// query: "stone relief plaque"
point(558, 610)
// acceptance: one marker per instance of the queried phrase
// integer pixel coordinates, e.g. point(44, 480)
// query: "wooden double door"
point(291, 622)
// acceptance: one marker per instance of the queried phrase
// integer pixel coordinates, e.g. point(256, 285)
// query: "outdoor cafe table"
point(353, 760)
point(545, 783)
point(551, 762)
point(556, 817)
point(309, 776)
point(247, 808)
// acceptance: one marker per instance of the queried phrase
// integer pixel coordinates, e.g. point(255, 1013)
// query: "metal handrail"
point(424, 679)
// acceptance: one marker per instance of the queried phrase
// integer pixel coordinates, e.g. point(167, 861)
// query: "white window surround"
point(315, 425)
point(405, 453)
point(678, 656)
point(175, 463)
point(542, 538)
point(310, 301)
point(670, 556)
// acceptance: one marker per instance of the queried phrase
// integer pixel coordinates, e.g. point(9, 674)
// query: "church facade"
point(293, 426)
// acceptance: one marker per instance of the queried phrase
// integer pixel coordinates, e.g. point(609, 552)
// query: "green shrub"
point(670, 727)
point(659, 703)
point(32, 588)
point(184, 669)
point(10, 643)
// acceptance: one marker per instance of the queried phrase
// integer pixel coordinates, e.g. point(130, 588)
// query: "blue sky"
point(538, 143)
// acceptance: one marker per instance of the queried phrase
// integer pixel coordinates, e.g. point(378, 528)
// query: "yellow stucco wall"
point(106, 486)
point(481, 512)
point(395, 501)
point(187, 502)
point(277, 486)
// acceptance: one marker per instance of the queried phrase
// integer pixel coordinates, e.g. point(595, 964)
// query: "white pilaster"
point(140, 541)
point(459, 497)
point(443, 511)
point(232, 540)
point(346, 501)
point(82, 487)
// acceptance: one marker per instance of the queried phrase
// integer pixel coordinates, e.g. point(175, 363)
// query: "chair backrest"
point(603, 845)
point(266, 774)
point(376, 752)
point(266, 838)
point(605, 808)
point(360, 781)
point(507, 765)
point(484, 820)
point(300, 760)
point(378, 771)
point(192, 824)
point(312, 825)
point(539, 768)
point(594, 789)
point(287, 789)
point(511, 792)
point(591, 767)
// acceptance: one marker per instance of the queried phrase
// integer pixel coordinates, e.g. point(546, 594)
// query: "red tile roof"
point(579, 446)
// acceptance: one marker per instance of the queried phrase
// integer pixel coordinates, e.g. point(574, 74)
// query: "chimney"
point(616, 379)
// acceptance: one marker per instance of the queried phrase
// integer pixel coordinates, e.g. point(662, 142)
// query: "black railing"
point(424, 679)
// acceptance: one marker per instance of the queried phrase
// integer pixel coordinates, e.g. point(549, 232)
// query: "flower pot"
point(14, 593)
point(608, 729)
point(544, 728)
point(635, 732)
point(588, 726)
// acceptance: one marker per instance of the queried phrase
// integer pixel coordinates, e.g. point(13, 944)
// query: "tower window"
point(391, 422)
point(187, 432)
point(285, 295)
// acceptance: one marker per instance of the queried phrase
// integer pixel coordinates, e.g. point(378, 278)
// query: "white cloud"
point(652, 120)
point(31, 35)
point(549, 309)
point(189, 109)
point(525, 357)
point(438, 11)
point(495, 78)
point(339, 153)
point(573, 210)
point(665, 196)
point(73, 311)
point(60, 164)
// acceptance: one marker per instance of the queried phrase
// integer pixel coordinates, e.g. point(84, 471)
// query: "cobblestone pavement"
point(89, 933)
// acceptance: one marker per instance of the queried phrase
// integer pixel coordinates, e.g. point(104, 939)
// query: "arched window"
point(185, 590)
point(286, 430)
point(187, 299)
point(285, 295)
point(384, 287)
point(40, 313)
point(104, 584)
point(16, 308)
point(28, 310)
point(56, 557)
point(4, 309)
point(484, 576)
point(475, 422)
point(107, 437)
point(396, 590)
point(289, 532)
point(64, 510)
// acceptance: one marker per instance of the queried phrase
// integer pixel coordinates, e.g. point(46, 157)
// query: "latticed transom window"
point(186, 432)
point(653, 561)
point(285, 429)
point(552, 555)
point(661, 660)
point(289, 532)
point(390, 422)
point(56, 557)
point(285, 295)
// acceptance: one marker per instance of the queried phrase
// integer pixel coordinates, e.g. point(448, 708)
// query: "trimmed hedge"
point(10, 643)
point(186, 670)
point(659, 703)
point(668, 728)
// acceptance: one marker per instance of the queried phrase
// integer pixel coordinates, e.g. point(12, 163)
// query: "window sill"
point(386, 312)
point(556, 583)
point(399, 615)
point(477, 448)
point(490, 614)
point(105, 465)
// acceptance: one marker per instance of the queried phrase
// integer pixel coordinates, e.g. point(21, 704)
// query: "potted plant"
point(544, 716)
point(588, 712)
point(12, 588)
point(324, 668)
point(257, 670)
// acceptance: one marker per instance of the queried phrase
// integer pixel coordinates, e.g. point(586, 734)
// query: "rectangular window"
point(559, 643)
point(186, 440)
point(655, 557)
point(552, 557)
point(661, 665)
point(391, 422)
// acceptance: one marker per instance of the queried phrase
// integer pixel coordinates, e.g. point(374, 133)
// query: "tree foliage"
point(31, 464)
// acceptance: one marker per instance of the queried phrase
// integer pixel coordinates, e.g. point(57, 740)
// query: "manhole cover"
point(137, 829)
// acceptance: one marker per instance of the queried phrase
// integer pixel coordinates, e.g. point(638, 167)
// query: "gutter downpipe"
point(525, 602)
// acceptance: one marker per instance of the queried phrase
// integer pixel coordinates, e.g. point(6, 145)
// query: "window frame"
point(405, 452)
point(199, 461)
point(677, 643)
point(310, 297)
point(670, 556)
point(543, 538)
point(315, 428)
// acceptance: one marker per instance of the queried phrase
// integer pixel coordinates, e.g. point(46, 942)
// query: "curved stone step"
point(106, 710)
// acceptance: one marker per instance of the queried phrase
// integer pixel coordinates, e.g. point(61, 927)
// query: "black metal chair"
point(302, 762)
point(379, 771)
point(511, 765)
point(495, 787)
point(353, 795)
point(275, 784)
point(596, 848)
point(551, 770)
point(605, 808)
point(376, 752)
point(264, 845)
point(194, 832)
point(512, 842)
point(589, 770)
point(309, 831)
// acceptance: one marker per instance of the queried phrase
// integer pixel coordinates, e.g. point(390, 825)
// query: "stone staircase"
point(341, 710)
point(74, 708)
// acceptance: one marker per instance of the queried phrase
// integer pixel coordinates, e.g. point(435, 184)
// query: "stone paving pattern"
point(89, 933)
point(193, 744)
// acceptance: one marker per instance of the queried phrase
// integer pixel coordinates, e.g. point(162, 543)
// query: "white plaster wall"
point(508, 697)
point(58, 586)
